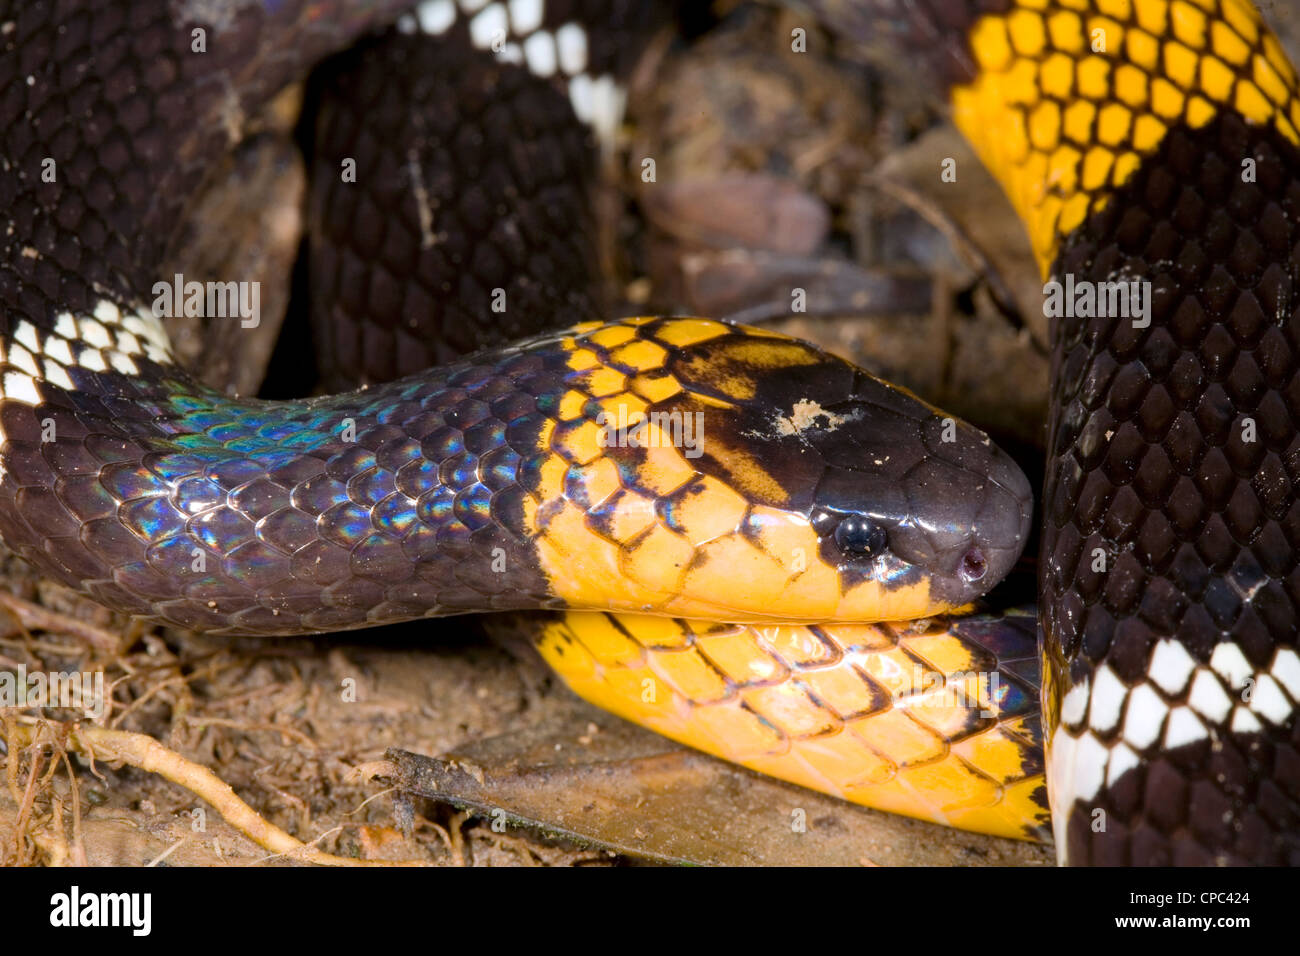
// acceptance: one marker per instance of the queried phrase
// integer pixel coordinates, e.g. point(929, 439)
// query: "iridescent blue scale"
point(418, 477)
point(347, 522)
point(549, 405)
point(372, 485)
point(351, 461)
point(435, 508)
point(474, 507)
point(444, 443)
point(251, 445)
point(221, 529)
point(483, 437)
point(150, 517)
point(1011, 698)
point(308, 440)
point(575, 487)
point(202, 419)
point(196, 495)
point(318, 495)
point(501, 469)
point(175, 467)
point(394, 514)
point(231, 474)
point(280, 458)
point(127, 482)
point(463, 471)
point(172, 555)
point(185, 403)
point(277, 431)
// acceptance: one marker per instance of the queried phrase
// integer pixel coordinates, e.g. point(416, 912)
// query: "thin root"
point(145, 753)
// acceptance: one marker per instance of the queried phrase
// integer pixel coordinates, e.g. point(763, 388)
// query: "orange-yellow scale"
point(1069, 97)
point(705, 567)
point(902, 718)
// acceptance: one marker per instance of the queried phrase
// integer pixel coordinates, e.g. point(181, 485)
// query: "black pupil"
point(857, 534)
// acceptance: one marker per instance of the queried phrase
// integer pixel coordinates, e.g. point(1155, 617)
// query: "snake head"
point(764, 479)
point(908, 494)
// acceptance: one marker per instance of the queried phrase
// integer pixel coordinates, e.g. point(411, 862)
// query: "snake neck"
point(122, 475)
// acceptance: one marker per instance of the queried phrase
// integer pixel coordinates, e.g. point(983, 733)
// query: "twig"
point(962, 243)
point(78, 845)
point(145, 753)
point(28, 800)
point(167, 852)
point(43, 619)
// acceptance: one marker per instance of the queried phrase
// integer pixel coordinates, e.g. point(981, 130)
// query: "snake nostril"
point(973, 566)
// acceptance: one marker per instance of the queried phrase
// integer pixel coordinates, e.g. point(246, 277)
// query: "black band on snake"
point(727, 513)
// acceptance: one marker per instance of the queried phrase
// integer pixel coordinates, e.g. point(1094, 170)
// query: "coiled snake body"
point(745, 577)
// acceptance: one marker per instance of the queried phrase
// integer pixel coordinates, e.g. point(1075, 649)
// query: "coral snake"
point(729, 519)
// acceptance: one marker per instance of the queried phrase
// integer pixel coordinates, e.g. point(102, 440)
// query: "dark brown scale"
point(493, 161)
point(131, 68)
point(1148, 462)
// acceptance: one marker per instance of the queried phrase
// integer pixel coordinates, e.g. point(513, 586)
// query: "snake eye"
point(857, 534)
